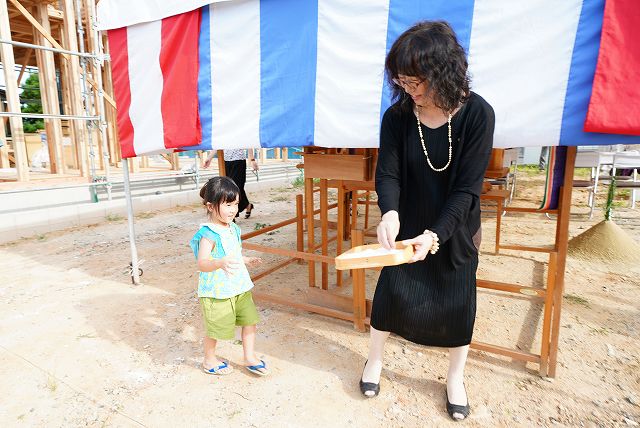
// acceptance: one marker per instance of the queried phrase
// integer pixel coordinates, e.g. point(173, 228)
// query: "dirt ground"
point(81, 346)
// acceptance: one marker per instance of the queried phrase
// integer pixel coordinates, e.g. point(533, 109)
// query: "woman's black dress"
point(433, 302)
point(237, 171)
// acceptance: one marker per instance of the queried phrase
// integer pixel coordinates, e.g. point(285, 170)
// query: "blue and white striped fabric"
point(276, 73)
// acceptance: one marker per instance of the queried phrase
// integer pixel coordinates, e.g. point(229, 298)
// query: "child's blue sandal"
point(217, 370)
point(259, 369)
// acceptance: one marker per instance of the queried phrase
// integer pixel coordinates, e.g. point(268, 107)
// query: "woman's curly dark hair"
point(430, 50)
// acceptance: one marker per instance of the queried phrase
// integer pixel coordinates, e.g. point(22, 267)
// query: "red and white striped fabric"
point(155, 78)
point(614, 107)
point(266, 73)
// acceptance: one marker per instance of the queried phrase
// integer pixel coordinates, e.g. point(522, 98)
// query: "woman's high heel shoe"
point(453, 409)
point(247, 213)
point(369, 387)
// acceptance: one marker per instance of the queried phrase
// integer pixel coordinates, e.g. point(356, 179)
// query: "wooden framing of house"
point(45, 34)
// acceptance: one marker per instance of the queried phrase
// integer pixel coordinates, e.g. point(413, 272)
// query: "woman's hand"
point(206, 163)
point(421, 246)
point(254, 164)
point(388, 230)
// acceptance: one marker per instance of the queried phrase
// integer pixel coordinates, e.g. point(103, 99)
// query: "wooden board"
point(338, 167)
point(346, 260)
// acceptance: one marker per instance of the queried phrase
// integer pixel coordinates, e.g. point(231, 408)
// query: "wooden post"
point(49, 96)
point(367, 198)
point(324, 220)
point(345, 215)
point(559, 218)
point(340, 231)
point(548, 310)
point(354, 209)
point(70, 42)
point(96, 135)
point(4, 147)
point(222, 169)
point(359, 295)
point(499, 208)
point(300, 224)
point(25, 61)
point(67, 109)
point(44, 94)
point(95, 82)
point(13, 100)
point(562, 244)
point(110, 111)
point(134, 163)
point(308, 197)
point(175, 162)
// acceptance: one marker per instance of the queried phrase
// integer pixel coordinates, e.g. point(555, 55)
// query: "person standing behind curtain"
point(235, 163)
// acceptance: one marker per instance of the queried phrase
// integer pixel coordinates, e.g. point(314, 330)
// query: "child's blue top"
point(219, 284)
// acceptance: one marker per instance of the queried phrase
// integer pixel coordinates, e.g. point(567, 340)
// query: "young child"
point(224, 284)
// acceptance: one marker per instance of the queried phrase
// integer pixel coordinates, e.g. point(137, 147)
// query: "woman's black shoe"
point(247, 213)
point(369, 386)
point(456, 408)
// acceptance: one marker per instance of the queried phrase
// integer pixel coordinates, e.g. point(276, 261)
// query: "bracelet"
point(435, 244)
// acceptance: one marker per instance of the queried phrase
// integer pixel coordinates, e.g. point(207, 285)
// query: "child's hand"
point(229, 264)
point(252, 261)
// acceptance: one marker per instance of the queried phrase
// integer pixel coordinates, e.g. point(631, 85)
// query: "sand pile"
point(605, 242)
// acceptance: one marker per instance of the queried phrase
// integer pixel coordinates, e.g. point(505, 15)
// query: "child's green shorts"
point(221, 316)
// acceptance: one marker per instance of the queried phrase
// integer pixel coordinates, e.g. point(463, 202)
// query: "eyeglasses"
point(411, 86)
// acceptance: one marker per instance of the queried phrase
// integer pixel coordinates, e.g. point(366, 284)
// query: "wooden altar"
point(351, 172)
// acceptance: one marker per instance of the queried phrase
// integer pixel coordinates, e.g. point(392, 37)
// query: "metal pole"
point(103, 121)
point(135, 277)
point(196, 169)
point(85, 99)
point(45, 48)
point(40, 189)
point(48, 116)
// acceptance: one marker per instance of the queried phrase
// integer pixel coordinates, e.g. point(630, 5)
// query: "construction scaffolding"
point(59, 40)
point(51, 36)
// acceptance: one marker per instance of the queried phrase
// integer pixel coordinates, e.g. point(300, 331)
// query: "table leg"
point(340, 231)
point(300, 225)
point(358, 289)
point(499, 209)
point(308, 195)
point(324, 221)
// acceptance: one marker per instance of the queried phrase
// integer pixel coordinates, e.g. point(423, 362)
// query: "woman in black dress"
point(435, 144)
point(235, 163)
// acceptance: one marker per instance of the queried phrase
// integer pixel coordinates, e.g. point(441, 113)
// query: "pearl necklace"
point(424, 148)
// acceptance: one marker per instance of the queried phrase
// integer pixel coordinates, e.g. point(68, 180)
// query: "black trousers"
point(237, 171)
